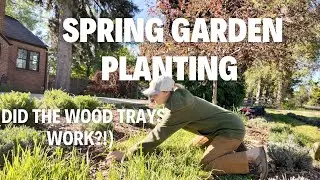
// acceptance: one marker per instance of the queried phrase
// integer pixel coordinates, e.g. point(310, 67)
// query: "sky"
point(143, 6)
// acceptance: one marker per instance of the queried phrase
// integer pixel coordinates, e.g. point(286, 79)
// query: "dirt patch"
point(257, 134)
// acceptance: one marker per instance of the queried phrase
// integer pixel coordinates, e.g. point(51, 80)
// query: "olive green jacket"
point(183, 110)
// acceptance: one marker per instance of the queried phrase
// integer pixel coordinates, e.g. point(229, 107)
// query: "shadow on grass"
point(281, 118)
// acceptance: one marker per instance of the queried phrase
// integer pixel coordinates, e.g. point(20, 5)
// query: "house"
point(23, 56)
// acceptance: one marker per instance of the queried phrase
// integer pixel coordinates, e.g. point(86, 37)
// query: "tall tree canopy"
point(300, 27)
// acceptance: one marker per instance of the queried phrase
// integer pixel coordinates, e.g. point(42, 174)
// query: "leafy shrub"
point(113, 87)
point(289, 105)
point(11, 137)
point(87, 102)
point(109, 106)
point(289, 155)
point(230, 94)
point(58, 99)
point(315, 95)
point(17, 100)
point(5, 88)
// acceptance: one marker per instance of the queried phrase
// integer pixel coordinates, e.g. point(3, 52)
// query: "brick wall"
point(2, 14)
point(3, 56)
point(26, 80)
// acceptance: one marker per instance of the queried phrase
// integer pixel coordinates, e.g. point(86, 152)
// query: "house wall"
point(26, 80)
point(3, 56)
point(2, 13)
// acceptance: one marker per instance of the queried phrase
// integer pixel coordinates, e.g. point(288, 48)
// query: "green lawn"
point(307, 113)
point(177, 160)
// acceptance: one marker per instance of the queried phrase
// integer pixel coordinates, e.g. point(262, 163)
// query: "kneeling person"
point(218, 129)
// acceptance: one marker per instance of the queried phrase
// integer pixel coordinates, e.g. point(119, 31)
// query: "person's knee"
point(201, 141)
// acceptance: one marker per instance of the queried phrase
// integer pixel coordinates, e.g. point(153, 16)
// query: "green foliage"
point(263, 73)
point(306, 134)
point(162, 166)
point(100, 127)
point(85, 65)
point(289, 104)
point(301, 96)
point(289, 155)
point(230, 94)
point(58, 99)
point(12, 137)
point(113, 87)
point(5, 88)
point(176, 159)
point(35, 163)
point(87, 102)
point(281, 128)
point(284, 126)
point(110, 106)
point(315, 95)
point(17, 100)
point(25, 12)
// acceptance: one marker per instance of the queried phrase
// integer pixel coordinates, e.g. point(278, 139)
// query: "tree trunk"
point(258, 92)
point(214, 92)
point(64, 54)
point(279, 93)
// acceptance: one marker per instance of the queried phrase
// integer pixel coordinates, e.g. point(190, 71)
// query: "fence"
point(77, 86)
point(250, 101)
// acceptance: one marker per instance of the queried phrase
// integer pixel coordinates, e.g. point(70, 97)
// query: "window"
point(28, 60)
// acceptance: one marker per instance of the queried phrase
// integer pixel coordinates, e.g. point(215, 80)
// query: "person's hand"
point(152, 105)
point(115, 155)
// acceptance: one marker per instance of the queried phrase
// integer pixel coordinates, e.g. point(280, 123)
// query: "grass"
point(177, 160)
point(305, 134)
point(35, 163)
point(12, 137)
point(307, 113)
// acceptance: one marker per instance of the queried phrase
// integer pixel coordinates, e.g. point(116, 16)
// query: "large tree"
point(300, 21)
point(26, 12)
point(80, 8)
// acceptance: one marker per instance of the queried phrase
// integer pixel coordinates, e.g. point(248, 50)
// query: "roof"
point(5, 39)
point(13, 29)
